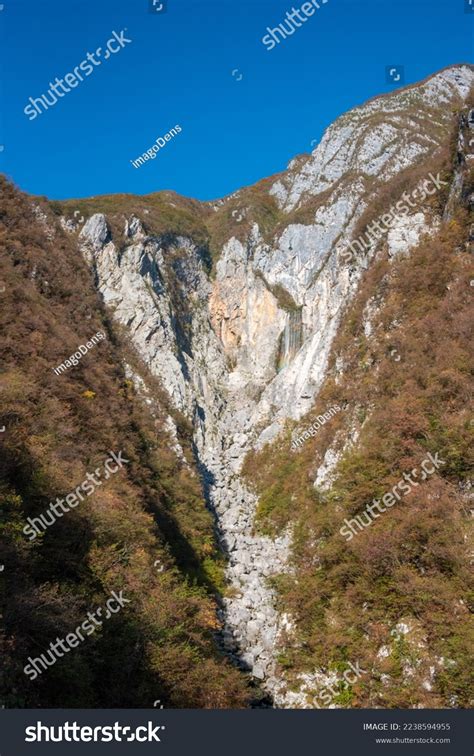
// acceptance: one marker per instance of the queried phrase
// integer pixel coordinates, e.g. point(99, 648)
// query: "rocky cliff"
point(235, 305)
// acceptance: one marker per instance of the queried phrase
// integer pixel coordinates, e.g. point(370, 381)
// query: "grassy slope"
point(413, 562)
point(161, 646)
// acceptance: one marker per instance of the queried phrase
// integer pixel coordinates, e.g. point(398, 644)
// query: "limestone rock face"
point(378, 139)
point(95, 232)
point(134, 228)
point(245, 349)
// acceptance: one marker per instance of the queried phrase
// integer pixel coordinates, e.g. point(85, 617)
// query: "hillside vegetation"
point(145, 531)
point(405, 386)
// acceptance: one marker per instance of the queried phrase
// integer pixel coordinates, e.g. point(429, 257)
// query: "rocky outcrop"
point(246, 349)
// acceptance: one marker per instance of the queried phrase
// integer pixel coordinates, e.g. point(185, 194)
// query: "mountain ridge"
point(239, 309)
point(449, 68)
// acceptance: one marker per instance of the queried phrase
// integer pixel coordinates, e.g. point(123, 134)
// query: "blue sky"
point(178, 70)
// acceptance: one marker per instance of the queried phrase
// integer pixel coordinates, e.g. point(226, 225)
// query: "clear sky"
point(178, 69)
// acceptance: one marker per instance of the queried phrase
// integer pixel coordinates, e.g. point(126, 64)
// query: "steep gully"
point(236, 359)
point(238, 365)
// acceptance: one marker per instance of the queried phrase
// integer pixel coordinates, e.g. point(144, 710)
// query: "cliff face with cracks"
point(244, 348)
